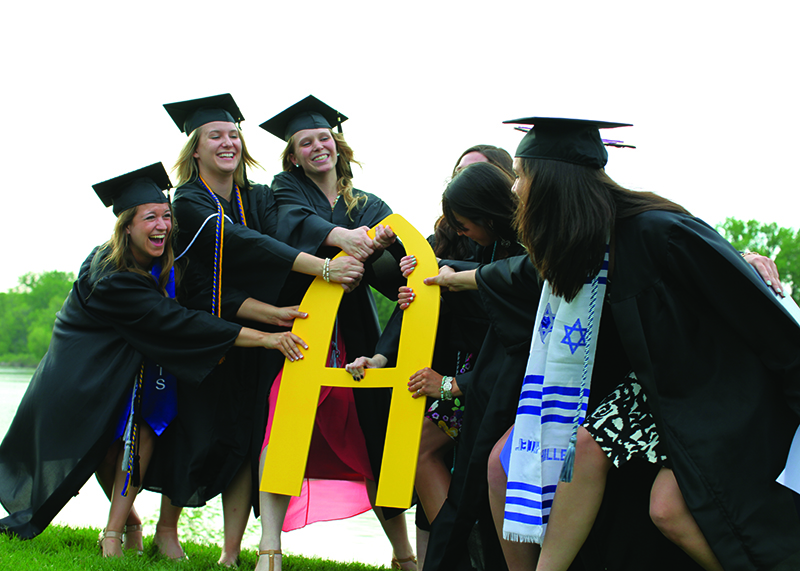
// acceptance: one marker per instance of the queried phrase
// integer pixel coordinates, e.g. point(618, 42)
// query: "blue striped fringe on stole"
point(554, 395)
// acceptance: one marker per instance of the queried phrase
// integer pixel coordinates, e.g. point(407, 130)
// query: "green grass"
point(69, 549)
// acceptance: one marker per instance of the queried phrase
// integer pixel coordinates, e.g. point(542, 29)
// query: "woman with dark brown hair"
point(692, 351)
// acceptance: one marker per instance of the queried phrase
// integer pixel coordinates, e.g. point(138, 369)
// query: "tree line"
point(28, 311)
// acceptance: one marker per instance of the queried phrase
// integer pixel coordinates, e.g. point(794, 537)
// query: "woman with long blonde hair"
point(320, 212)
point(234, 268)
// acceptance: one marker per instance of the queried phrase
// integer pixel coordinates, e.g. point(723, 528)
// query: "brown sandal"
point(398, 563)
point(272, 553)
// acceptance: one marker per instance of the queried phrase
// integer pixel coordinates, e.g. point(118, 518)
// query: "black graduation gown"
point(509, 291)
point(462, 329)
point(623, 538)
point(220, 424)
point(67, 418)
point(719, 360)
point(306, 219)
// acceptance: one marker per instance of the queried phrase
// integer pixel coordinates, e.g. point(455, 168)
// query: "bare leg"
point(433, 475)
point(235, 513)
point(519, 556)
point(121, 505)
point(672, 517)
point(575, 505)
point(395, 530)
point(273, 512)
point(105, 477)
point(422, 547)
point(166, 536)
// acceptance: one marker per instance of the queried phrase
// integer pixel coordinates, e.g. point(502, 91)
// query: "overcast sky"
point(711, 88)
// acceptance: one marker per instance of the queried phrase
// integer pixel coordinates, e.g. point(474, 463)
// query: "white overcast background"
point(711, 88)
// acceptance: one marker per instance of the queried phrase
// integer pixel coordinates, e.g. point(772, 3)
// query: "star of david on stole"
point(546, 325)
point(568, 332)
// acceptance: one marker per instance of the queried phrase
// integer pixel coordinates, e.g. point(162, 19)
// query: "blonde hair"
point(344, 173)
point(186, 166)
point(121, 258)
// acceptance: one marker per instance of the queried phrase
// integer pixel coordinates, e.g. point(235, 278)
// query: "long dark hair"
point(481, 193)
point(448, 245)
point(566, 216)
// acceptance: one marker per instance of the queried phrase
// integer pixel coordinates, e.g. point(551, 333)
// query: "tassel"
point(569, 460)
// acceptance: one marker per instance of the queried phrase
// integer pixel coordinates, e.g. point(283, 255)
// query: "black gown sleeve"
point(187, 343)
point(297, 211)
point(254, 263)
point(510, 291)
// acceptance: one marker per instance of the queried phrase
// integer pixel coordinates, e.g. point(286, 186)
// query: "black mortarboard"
point(310, 113)
point(143, 186)
point(575, 141)
point(189, 115)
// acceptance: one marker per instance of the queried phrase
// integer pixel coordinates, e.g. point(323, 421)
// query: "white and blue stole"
point(552, 405)
point(154, 400)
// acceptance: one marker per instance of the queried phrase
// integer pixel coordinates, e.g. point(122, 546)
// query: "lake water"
point(356, 539)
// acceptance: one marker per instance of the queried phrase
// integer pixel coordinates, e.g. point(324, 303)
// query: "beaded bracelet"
point(447, 387)
point(326, 270)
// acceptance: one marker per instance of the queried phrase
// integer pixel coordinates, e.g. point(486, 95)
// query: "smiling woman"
point(320, 212)
point(115, 337)
point(148, 230)
point(235, 269)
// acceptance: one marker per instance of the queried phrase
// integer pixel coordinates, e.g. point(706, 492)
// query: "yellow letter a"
point(302, 380)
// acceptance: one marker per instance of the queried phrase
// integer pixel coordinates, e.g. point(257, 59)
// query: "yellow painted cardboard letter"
point(293, 423)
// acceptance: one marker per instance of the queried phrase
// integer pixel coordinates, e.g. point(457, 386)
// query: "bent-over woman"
point(118, 339)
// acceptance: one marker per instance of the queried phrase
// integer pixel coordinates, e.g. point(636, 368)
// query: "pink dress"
point(338, 467)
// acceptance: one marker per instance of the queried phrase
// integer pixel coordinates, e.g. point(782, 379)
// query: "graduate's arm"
point(354, 242)
point(428, 383)
point(245, 249)
point(186, 342)
point(767, 269)
point(357, 367)
point(299, 225)
point(345, 270)
point(253, 310)
point(510, 290)
point(452, 280)
point(286, 342)
point(381, 269)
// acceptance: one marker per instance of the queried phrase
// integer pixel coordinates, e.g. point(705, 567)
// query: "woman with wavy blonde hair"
point(320, 212)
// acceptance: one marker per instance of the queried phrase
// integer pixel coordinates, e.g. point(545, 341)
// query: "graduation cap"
point(191, 114)
point(310, 113)
point(143, 186)
point(575, 141)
